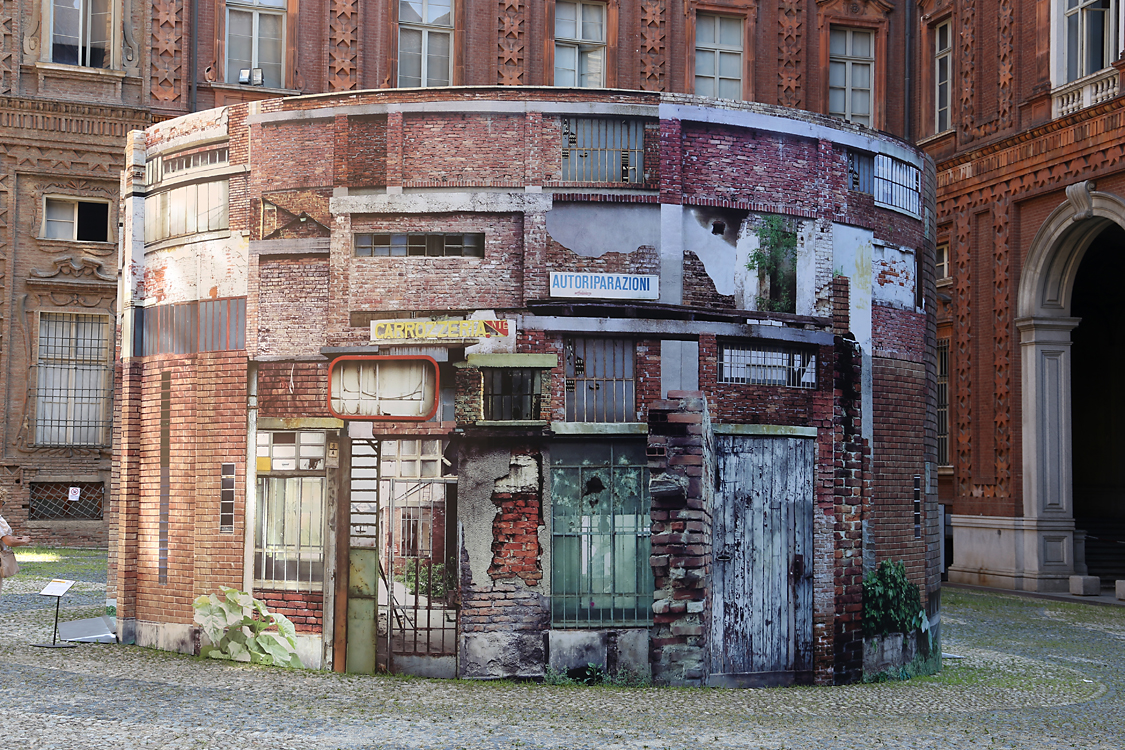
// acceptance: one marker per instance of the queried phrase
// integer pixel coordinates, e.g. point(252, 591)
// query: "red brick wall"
point(292, 305)
point(293, 389)
point(305, 609)
point(515, 537)
point(448, 147)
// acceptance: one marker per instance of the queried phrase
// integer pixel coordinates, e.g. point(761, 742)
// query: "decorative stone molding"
point(1080, 196)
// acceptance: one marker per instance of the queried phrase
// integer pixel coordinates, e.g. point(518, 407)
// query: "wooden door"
point(761, 626)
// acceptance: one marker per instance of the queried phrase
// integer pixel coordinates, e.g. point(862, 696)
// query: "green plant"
point(238, 626)
point(776, 259)
point(423, 578)
point(891, 603)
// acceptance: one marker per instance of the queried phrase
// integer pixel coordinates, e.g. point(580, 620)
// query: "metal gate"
point(402, 593)
point(762, 592)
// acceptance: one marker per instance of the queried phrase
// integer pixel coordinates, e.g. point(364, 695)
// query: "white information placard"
point(57, 587)
point(605, 285)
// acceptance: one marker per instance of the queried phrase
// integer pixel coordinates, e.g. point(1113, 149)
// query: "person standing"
point(8, 539)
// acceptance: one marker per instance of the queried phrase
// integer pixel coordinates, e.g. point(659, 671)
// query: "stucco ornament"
point(1080, 195)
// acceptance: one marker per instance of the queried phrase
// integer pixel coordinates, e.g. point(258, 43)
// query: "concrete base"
point(166, 636)
point(1085, 585)
point(440, 667)
point(571, 649)
point(1121, 591)
point(502, 654)
point(1025, 554)
point(888, 653)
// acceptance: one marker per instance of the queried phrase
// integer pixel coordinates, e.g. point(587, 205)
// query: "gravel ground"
point(1034, 674)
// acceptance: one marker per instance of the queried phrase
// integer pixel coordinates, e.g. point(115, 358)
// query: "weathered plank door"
point(761, 626)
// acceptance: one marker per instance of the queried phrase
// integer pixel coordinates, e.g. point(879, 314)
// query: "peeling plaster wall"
point(852, 250)
point(200, 270)
point(593, 229)
point(893, 272)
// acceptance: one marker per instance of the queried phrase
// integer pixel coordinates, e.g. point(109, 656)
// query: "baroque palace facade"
point(1020, 108)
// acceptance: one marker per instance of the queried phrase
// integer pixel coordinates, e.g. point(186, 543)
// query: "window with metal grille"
point(433, 245)
point(600, 385)
point(511, 393)
point(188, 327)
point(767, 364)
point(289, 528)
point(415, 526)
point(65, 500)
point(74, 380)
point(943, 402)
point(602, 150)
point(898, 185)
point(226, 499)
point(861, 171)
point(600, 535)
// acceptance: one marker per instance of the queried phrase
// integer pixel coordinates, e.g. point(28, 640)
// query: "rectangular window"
point(256, 39)
point(1090, 32)
point(82, 32)
point(69, 219)
point(602, 150)
point(600, 535)
point(425, 43)
point(511, 393)
point(851, 57)
point(580, 44)
point(226, 499)
point(861, 171)
point(186, 210)
point(943, 402)
point(188, 327)
point(65, 500)
point(942, 265)
point(74, 382)
point(432, 245)
point(943, 73)
point(159, 167)
point(898, 185)
point(767, 364)
point(289, 528)
point(600, 385)
point(718, 56)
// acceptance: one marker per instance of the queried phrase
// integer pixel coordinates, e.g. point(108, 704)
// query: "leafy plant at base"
point(238, 626)
point(776, 259)
point(891, 602)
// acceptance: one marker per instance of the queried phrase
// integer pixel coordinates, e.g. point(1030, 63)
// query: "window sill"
point(187, 239)
point(70, 524)
point(79, 71)
point(246, 88)
point(92, 246)
point(599, 428)
point(944, 281)
point(540, 423)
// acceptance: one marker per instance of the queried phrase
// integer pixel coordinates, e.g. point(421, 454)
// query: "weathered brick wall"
point(293, 389)
point(642, 260)
point(448, 148)
point(367, 151)
point(292, 306)
point(419, 283)
point(681, 463)
point(305, 609)
point(515, 537)
point(301, 151)
point(699, 288)
point(898, 334)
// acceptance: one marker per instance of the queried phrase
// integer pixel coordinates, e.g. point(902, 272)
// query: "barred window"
point(861, 171)
point(65, 500)
point(602, 150)
point(289, 529)
point(159, 167)
point(898, 185)
point(188, 327)
point(433, 245)
point(189, 209)
point(762, 364)
point(600, 385)
point(226, 499)
point(512, 393)
point(943, 402)
point(600, 535)
point(74, 380)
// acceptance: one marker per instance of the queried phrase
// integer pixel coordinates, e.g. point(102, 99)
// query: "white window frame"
point(74, 201)
point(943, 54)
point(427, 29)
point(850, 60)
point(583, 48)
point(83, 34)
point(257, 9)
point(717, 49)
point(1080, 10)
point(88, 387)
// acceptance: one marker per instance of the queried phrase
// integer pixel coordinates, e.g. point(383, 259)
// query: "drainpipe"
point(908, 68)
point(251, 499)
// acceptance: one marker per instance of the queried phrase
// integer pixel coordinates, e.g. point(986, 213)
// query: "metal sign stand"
point(56, 588)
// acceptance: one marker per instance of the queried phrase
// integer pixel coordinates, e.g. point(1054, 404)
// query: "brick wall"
point(305, 609)
point(293, 389)
point(292, 306)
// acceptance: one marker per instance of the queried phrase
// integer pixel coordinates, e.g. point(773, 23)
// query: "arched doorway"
point(1086, 224)
point(1098, 404)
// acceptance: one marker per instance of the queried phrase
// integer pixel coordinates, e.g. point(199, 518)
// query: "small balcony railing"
point(1085, 92)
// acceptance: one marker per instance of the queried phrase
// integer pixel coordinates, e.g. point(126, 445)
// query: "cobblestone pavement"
point(1033, 674)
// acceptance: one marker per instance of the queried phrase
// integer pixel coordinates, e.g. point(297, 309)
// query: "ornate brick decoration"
point(653, 32)
point(790, 28)
point(1006, 63)
point(510, 39)
point(167, 55)
point(968, 63)
point(1002, 356)
point(9, 65)
point(961, 382)
point(343, 50)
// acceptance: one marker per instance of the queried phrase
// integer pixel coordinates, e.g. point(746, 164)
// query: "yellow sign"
point(383, 330)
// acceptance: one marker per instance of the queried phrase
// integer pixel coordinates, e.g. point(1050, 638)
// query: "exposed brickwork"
point(292, 306)
point(699, 287)
point(305, 609)
point(515, 537)
point(898, 333)
point(642, 260)
point(293, 389)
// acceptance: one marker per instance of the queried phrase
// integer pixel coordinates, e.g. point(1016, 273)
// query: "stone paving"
point(1034, 673)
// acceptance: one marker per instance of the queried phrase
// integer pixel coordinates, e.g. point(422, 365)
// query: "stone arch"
point(1051, 551)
